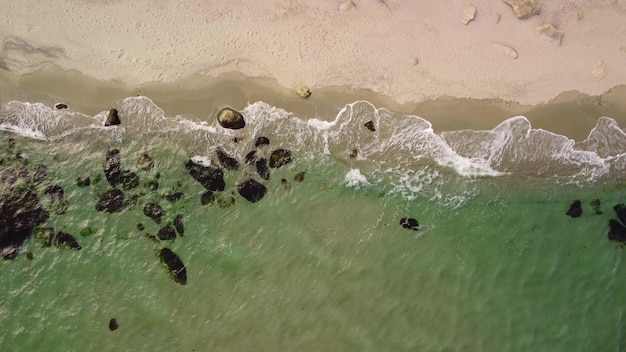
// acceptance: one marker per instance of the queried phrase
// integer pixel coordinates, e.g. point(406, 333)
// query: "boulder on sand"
point(231, 119)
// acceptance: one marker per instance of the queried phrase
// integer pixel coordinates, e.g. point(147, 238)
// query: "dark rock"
point(178, 225)
point(41, 174)
point(113, 118)
point(113, 325)
point(9, 176)
point(299, 176)
point(140, 227)
point(44, 236)
point(60, 106)
point(131, 202)
point(286, 183)
point(23, 175)
point(617, 231)
point(370, 126)
point(129, 180)
point(153, 185)
point(209, 177)
point(111, 202)
point(575, 210)
point(595, 204)
point(261, 141)
point(65, 240)
point(83, 181)
point(262, 170)
point(145, 162)
point(236, 139)
point(112, 167)
point(231, 119)
point(174, 197)
point(252, 190)
point(227, 161)
point(354, 153)
point(410, 224)
point(153, 211)
point(251, 157)
point(280, 157)
point(175, 265)
point(19, 215)
point(30, 255)
point(167, 233)
point(54, 192)
point(225, 201)
point(207, 197)
point(620, 210)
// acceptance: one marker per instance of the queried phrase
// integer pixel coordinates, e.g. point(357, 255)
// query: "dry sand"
point(407, 55)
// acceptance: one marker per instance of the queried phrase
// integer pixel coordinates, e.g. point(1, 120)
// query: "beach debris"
point(153, 211)
point(302, 90)
point(231, 119)
point(261, 141)
point(575, 210)
point(178, 225)
point(65, 240)
point(174, 264)
point(416, 61)
point(410, 224)
point(21, 213)
point(299, 176)
point(280, 157)
point(209, 177)
point(60, 106)
point(167, 233)
point(595, 204)
point(227, 161)
point(524, 8)
point(261, 169)
point(251, 190)
point(111, 201)
point(469, 13)
point(599, 71)
point(550, 33)
point(346, 5)
point(578, 15)
point(145, 162)
point(83, 181)
point(112, 167)
point(506, 50)
point(113, 119)
point(113, 325)
point(370, 126)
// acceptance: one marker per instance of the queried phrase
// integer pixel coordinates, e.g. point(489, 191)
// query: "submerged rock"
point(54, 192)
point(575, 210)
point(65, 240)
point(111, 202)
point(113, 325)
point(174, 197)
point(9, 176)
point(153, 211)
point(166, 233)
point(113, 118)
point(227, 161)
point(410, 224)
point(175, 265)
point(370, 126)
point(209, 177)
point(252, 190)
point(44, 236)
point(19, 215)
point(595, 204)
point(40, 174)
point(524, 8)
point(178, 225)
point(617, 231)
point(224, 201)
point(112, 167)
point(129, 180)
point(620, 210)
point(83, 181)
point(262, 170)
point(251, 157)
point(261, 141)
point(231, 119)
point(207, 198)
point(145, 162)
point(280, 157)
point(299, 176)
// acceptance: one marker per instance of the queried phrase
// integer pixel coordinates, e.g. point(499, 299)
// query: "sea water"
point(320, 263)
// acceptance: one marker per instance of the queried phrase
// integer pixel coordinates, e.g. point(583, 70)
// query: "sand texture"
point(409, 50)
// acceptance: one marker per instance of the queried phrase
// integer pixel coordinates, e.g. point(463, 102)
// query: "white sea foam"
point(354, 179)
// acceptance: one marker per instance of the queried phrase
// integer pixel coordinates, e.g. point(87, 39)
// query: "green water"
point(316, 265)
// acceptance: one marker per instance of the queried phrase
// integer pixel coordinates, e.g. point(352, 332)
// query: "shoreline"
point(572, 114)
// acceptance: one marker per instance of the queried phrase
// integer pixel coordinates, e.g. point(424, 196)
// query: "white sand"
point(411, 50)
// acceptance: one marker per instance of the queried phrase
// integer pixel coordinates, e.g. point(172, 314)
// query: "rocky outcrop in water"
point(129, 180)
point(153, 211)
point(113, 325)
point(111, 202)
point(83, 181)
point(231, 119)
point(174, 197)
point(41, 174)
point(370, 126)
point(145, 162)
point(20, 213)
point(179, 226)
point(280, 157)
point(261, 141)
point(113, 118)
point(575, 210)
point(617, 230)
point(410, 224)
point(65, 240)
point(227, 161)
point(167, 233)
point(175, 265)
point(261, 169)
point(251, 190)
point(209, 177)
point(112, 167)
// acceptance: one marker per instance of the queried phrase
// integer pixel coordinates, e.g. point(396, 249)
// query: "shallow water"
point(322, 264)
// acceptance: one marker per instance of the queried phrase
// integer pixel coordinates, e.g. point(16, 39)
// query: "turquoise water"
point(322, 264)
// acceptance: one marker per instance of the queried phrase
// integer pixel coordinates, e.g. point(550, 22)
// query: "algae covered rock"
point(177, 269)
point(231, 119)
point(111, 202)
point(209, 177)
point(280, 157)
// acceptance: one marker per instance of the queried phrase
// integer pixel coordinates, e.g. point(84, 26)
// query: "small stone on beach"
point(60, 106)
point(302, 90)
point(469, 13)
